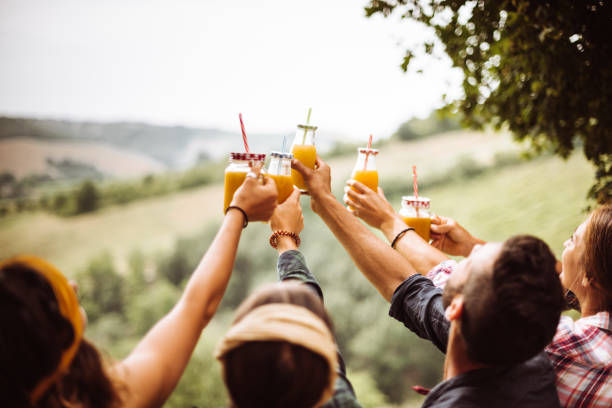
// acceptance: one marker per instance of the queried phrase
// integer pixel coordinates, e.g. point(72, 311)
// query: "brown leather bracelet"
point(283, 233)
point(401, 234)
point(244, 214)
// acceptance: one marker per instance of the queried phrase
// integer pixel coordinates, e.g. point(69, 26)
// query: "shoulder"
point(440, 273)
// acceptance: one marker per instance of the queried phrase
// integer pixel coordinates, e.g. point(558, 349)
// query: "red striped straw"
point(415, 186)
point(365, 166)
point(244, 136)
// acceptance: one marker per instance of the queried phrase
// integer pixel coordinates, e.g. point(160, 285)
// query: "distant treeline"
point(414, 129)
point(435, 123)
point(90, 196)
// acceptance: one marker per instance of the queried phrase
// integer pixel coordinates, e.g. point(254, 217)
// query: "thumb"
point(295, 195)
point(381, 193)
point(441, 228)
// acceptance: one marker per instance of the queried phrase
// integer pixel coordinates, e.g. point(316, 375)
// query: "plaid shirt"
point(292, 265)
point(581, 353)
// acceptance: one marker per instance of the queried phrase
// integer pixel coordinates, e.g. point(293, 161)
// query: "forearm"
point(164, 352)
point(382, 266)
point(419, 253)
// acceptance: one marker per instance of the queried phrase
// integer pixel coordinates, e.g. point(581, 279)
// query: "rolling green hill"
point(544, 197)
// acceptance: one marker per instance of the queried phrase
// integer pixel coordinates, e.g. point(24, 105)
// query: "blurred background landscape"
point(112, 160)
point(132, 235)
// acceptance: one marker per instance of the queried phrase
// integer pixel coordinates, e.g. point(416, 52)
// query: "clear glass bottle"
point(304, 150)
point(280, 170)
point(235, 172)
point(415, 213)
point(365, 168)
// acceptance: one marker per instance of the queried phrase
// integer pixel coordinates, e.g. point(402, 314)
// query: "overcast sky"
point(200, 62)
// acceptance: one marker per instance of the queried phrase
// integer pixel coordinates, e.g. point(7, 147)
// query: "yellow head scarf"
point(68, 306)
point(285, 322)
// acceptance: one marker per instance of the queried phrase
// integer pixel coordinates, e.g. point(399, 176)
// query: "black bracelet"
point(401, 234)
point(246, 218)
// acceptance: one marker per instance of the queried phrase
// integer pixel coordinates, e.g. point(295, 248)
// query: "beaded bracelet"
point(401, 234)
point(246, 218)
point(283, 233)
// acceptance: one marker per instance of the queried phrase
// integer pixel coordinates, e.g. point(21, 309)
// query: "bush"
point(151, 305)
point(420, 128)
point(87, 197)
point(101, 288)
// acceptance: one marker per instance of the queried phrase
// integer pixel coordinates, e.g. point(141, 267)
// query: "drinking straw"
point(284, 143)
point(307, 122)
point(365, 165)
point(415, 186)
point(244, 136)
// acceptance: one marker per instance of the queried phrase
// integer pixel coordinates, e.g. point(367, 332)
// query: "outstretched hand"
point(364, 203)
point(257, 195)
point(318, 181)
point(450, 237)
point(288, 215)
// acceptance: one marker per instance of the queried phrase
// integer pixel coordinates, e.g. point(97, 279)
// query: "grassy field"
point(543, 197)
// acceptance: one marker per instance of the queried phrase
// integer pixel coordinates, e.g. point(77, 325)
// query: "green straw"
point(307, 122)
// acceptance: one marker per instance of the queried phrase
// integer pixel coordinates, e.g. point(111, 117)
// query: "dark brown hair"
point(598, 253)
point(511, 313)
point(276, 373)
point(34, 335)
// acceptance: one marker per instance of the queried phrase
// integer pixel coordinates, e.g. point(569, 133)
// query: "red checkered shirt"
point(581, 353)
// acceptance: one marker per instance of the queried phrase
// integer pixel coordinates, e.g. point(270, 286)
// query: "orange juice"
point(280, 170)
point(415, 213)
point(307, 154)
point(233, 180)
point(421, 226)
point(236, 171)
point(367, 177)
point(284, 185)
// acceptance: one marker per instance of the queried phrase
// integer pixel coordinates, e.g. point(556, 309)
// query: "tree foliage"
point(542, 68)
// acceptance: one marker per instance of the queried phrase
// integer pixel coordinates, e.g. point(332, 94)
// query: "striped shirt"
point(581, 353)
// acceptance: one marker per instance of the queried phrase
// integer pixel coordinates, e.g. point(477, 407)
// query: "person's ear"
point(586, 282)
point(454, 310)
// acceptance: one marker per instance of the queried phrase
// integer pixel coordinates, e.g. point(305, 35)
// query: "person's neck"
point(457, 361)
point(590, 304)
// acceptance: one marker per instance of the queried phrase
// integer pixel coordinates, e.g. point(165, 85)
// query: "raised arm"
point(292, 267)
point(375, 210)
point(382, 266)
point(155, 366)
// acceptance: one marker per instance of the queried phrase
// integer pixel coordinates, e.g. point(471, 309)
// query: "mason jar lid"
point(307, 127)
point(281, 155)
point(364, 150)
point(247, 156)
point(420, 202)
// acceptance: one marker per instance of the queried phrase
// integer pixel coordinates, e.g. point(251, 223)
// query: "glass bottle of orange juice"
point(304, 150)
point(280, 170)
point(415, 213)
point(365, 169)
point(236, 171)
